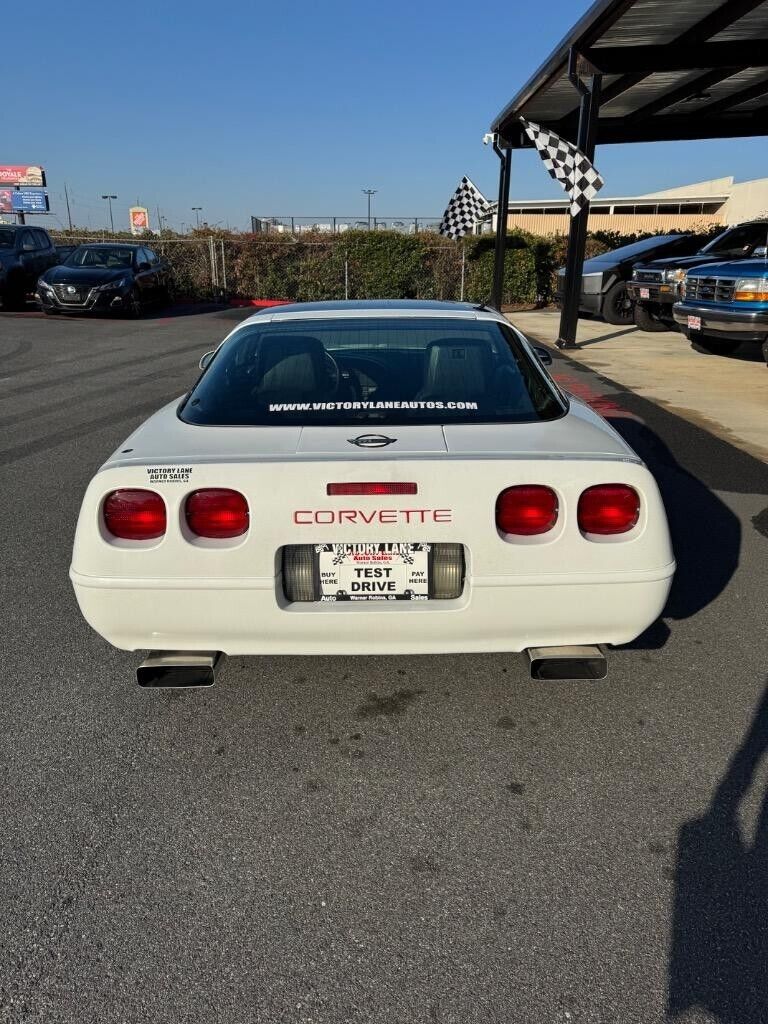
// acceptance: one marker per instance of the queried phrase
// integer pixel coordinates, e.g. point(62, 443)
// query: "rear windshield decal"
point(364, 406)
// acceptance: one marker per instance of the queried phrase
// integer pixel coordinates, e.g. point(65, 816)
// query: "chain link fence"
point(354, 266)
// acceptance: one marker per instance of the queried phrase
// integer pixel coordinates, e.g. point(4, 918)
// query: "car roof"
point(106, 245)
point(404, 308)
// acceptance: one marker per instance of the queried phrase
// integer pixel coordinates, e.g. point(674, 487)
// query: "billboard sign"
point(22, 174)
point(139, 216)
point(29, 200)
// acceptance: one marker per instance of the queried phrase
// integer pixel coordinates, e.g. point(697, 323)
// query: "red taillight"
point(372, 488)
point(608, 508)
point(526, 510)
point(134, 514)
point(217, 512)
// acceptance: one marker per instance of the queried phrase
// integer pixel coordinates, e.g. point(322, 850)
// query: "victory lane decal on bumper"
point(169, 474)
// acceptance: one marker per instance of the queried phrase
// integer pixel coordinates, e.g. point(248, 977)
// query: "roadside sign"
point(29, 200)
point(139, 217)
point(22, 174)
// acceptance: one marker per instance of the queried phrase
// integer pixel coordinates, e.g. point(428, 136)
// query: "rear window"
point(372, 371)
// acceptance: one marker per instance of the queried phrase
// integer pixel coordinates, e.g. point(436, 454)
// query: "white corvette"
point(372, 478)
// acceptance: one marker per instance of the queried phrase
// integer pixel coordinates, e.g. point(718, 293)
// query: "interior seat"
point(457, 369)
point(291, 368)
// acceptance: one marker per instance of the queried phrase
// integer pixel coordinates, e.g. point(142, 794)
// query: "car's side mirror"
point(205, 360)
point(543, 355)
point(144, 266)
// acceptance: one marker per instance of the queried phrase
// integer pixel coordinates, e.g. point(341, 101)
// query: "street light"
point(369, 192)
point(197, 210)
point(109, 199)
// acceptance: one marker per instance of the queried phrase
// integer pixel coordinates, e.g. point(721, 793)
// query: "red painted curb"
point(261, 303)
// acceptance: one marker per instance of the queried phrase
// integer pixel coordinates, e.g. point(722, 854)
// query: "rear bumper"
point(250, 617)
point(742, 325)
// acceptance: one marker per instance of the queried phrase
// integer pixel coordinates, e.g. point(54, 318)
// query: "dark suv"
point(655, 285)
point(25, 254)
point(604, 278)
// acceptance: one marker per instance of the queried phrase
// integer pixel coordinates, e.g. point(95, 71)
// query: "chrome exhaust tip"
point(175, 669)
point(567, 663)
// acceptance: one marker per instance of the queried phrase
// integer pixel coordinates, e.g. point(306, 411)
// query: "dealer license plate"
point(645, 293)
point(694, 323)
point(374, 572)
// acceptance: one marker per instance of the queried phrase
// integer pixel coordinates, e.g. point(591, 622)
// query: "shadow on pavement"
point(706, 535)
point(719, 956)
point(584, 342)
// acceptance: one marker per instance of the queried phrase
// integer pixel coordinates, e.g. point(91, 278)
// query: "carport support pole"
point(577, 234)
point(502, 210)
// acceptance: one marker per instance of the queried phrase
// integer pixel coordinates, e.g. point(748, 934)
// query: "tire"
point(134, 307)
point(646, 321)
point(765, 351)
point(710, 346)
point(617, 309)
point(50, 311)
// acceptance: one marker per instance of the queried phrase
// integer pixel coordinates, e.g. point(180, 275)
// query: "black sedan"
point(604, 278)
point(105, 277)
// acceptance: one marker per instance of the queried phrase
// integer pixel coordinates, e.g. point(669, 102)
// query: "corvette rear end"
point(435, 529)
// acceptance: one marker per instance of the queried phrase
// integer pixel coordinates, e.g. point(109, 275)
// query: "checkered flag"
point(466, 207)
point(566, 164)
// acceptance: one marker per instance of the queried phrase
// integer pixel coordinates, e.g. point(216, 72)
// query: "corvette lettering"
point(384, 516)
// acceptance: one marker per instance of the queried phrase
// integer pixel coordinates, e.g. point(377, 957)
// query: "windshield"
point(7, 236)
point(105, 259)
point(637, 248)
point(372, 371)
point(740, 241)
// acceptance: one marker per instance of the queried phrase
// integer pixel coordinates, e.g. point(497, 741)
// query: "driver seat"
point(291, 368)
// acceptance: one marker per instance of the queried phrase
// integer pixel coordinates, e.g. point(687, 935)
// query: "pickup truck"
point(724, 304)
point(25, 253)
point(655, 284)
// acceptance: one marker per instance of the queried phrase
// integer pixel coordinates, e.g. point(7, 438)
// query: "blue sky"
point(278, 108)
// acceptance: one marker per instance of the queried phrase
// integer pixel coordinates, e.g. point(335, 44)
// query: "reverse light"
point(751, 289)
point(133, 514)
point(217, 512)
point(526, 510)
point(372, 488)
point(608, 509)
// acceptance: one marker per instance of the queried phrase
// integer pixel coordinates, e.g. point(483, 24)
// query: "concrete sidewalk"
point(726, 395)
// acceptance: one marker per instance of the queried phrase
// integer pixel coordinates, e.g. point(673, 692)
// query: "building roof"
point(693, 69)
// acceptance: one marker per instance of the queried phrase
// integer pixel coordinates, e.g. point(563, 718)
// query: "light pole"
point(109, 199)
point(197, 210)
point(369, 192)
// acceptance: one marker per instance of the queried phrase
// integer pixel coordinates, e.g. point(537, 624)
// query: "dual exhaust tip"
point(183, 669)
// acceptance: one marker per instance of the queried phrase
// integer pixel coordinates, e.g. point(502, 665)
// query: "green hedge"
point(380, 264)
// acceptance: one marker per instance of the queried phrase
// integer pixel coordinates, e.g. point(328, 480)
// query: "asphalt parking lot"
point(426, 839)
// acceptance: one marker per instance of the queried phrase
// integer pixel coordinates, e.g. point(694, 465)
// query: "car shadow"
point(706, 544)
point(719, 949)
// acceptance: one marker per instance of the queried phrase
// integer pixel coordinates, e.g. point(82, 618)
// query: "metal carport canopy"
point(659, 71)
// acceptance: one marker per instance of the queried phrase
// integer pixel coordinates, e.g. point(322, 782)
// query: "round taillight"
point(134, 514)
point(608, 509)
point(526, 510)
point(217, 512)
